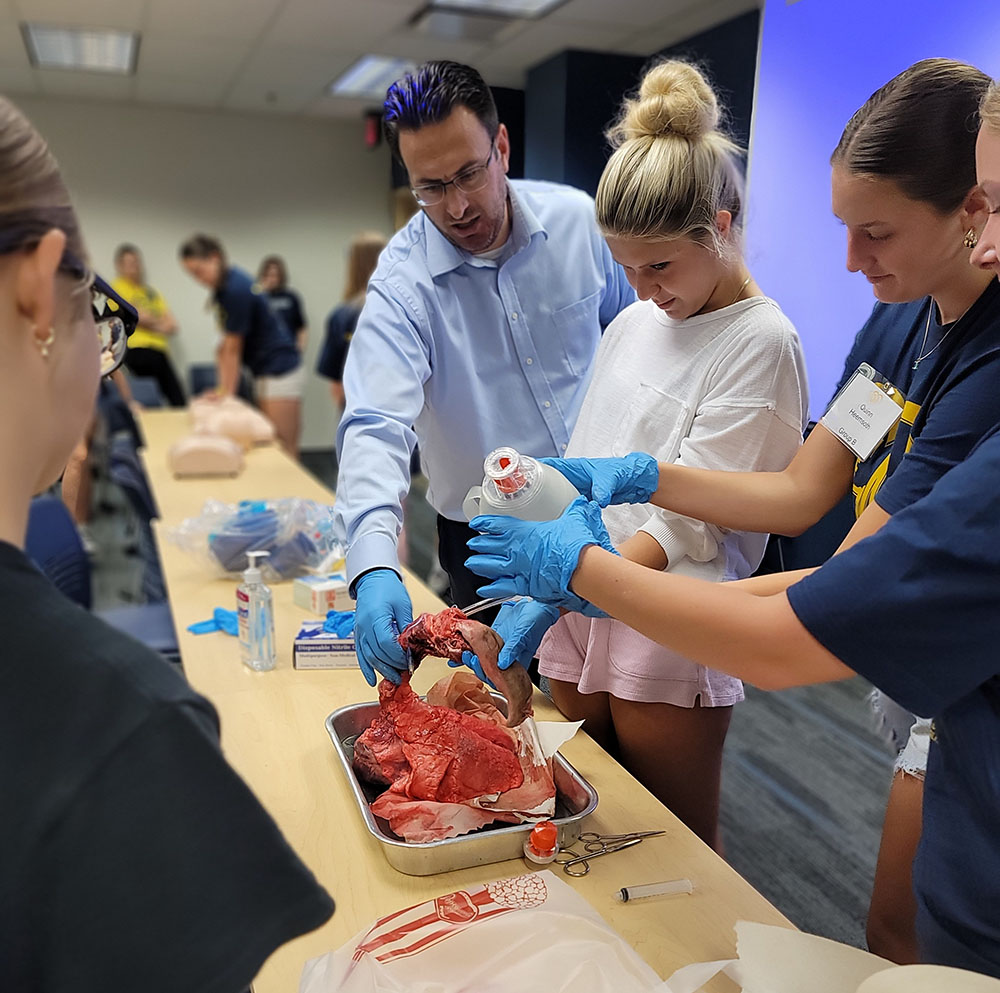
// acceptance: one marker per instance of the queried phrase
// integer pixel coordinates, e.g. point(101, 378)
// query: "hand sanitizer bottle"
point(517, 485)
point(255, 611)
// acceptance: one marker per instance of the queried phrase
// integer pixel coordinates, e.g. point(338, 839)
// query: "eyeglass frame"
point(445, 183)
point(16, 237)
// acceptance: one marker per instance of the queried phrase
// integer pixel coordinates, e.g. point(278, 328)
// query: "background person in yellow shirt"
point(148, 348)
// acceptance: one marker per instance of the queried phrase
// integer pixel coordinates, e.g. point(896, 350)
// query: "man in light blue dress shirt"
point(479, 329)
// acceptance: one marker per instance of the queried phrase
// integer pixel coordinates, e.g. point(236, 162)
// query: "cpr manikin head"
point(51, 366)
point(904, 180)
point(441, 122)
point(670, 201)
point(986, 254)
point(205, 259)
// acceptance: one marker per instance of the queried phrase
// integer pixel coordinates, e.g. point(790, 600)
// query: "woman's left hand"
point(537, 558)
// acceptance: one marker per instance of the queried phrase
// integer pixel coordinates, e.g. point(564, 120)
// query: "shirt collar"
point(443, 256)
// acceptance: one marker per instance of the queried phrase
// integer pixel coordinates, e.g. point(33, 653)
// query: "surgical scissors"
point(595, 845)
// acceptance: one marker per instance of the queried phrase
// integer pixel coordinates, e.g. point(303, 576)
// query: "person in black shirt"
point(362, 259)
point(272, 279)
point(134, 857)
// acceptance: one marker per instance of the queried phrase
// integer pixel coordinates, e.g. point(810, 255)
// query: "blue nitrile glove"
point(222, 620)
point(537, 558)
point(340, 623)
point(629, 479)
point(521, 624)
point(383, 610)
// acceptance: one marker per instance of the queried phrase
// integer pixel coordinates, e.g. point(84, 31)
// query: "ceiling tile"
point(352, 27)
point(421, 48)
point(124, 14)
point(294, 76)
point(635, 13)
point(231, 20)
point(69, 83)
point(190, 55)
point(539, 41)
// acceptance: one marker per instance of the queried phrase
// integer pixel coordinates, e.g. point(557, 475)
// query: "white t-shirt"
point(725, 390)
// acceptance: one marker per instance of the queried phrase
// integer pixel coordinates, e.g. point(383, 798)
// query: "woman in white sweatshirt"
point(703, 370)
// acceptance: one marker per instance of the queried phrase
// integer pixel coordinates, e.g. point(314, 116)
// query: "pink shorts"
point(602, 655)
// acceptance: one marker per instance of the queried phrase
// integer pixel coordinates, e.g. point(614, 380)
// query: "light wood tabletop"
point(273, 733)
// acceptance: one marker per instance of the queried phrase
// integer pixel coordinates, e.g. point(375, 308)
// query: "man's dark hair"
point(430, 93)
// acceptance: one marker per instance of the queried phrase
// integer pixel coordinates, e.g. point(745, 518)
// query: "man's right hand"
point(383, 610)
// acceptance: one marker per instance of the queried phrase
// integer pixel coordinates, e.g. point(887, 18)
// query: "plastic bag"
point(298, 534)
point(530, 932)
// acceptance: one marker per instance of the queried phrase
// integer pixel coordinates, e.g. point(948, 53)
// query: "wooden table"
point(273, 734)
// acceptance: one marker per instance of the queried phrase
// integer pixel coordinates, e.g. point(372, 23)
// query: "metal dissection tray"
point(576, 799)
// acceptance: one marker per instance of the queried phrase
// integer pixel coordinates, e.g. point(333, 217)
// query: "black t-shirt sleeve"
point(964, 412)
point(166, 874)
point(340, 327)
point(916, 607)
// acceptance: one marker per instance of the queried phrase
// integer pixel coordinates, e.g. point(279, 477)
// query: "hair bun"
point(675, 98)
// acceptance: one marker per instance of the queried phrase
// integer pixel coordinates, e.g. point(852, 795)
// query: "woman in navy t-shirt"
point(253, 336)
point(272, 279)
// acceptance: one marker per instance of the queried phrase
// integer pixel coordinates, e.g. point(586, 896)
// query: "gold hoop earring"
point(971, 238)
point(44, 344)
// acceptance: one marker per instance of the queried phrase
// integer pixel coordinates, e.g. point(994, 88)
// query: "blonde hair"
point(673, 167)
point(33, 196)
point(361, 261)
point(989, 109)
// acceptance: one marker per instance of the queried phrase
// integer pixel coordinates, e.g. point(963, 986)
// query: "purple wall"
point(819, 61)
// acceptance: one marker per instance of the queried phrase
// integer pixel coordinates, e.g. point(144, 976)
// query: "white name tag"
point(863, 412)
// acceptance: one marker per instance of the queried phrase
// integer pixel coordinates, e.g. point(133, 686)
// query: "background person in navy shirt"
point(479, 330)
point(272, 278)
point(252, 336)
point(362, 257)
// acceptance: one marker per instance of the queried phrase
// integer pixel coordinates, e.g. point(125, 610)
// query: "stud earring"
point(44, 344)
point(971, 238)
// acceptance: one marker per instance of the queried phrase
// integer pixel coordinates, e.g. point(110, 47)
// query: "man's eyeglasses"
point(470, 181)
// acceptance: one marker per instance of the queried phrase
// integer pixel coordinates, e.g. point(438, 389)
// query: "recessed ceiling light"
point(505, 8)
point(81, 48)
point(371, 76)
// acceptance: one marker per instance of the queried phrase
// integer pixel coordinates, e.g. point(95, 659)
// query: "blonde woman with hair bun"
point(703, 370)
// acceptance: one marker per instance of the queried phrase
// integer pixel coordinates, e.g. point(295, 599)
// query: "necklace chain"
point(739, 292)
point(923, 355)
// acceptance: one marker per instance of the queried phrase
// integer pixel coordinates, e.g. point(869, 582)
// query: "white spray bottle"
point(519, 486)
point(255, 610)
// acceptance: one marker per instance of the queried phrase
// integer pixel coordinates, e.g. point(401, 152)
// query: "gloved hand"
point(537, 558)
point(629, 479)
point(383, 610)
point(521, 624)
